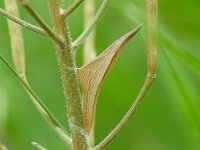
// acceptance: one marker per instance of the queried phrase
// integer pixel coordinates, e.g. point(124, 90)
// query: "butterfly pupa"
point(92, 75)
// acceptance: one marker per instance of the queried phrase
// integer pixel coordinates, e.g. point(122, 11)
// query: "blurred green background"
point(169, 116)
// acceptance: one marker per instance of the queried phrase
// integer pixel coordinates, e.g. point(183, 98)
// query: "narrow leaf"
point(92, 75)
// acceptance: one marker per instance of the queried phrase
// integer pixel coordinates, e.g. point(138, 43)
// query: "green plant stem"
point(67, 65)
point(41, 22)
point(23, 23)
point(43, 109)
point(128, 115)
point(152, 42)
point(71, 9)
point(151, 7)
point(92, 25)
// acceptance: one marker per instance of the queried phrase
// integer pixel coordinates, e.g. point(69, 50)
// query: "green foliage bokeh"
point(167, 119)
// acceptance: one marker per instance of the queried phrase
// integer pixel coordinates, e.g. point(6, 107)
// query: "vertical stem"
point(89, 52)
point(151, 75)
point(126, 118)
point(66, 61)
point(152, 23)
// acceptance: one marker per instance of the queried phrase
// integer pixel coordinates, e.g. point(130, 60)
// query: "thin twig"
point(23, 23)
point(92, 25)
point(55, 37)
point(151, 75)
point(71, 9)
point(128, 115)
point(46, 113)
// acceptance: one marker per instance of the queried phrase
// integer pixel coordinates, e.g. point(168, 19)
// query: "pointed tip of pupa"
point(124, 39)
point(92, 75)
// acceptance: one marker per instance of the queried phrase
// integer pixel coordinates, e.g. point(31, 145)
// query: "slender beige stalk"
point(152, 21)
point(92, 25)
point(38, 146)
point(23, 23)
point(125, 119)
point(71, 9)
point(89, 52)
point(41, 22)
point(17, 45)
point(151, 75)
point(16, 37)
point(66, 61)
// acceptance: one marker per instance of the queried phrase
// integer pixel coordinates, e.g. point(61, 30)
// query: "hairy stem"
point(92, 25)
point(23, 23)
point(66, 61)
